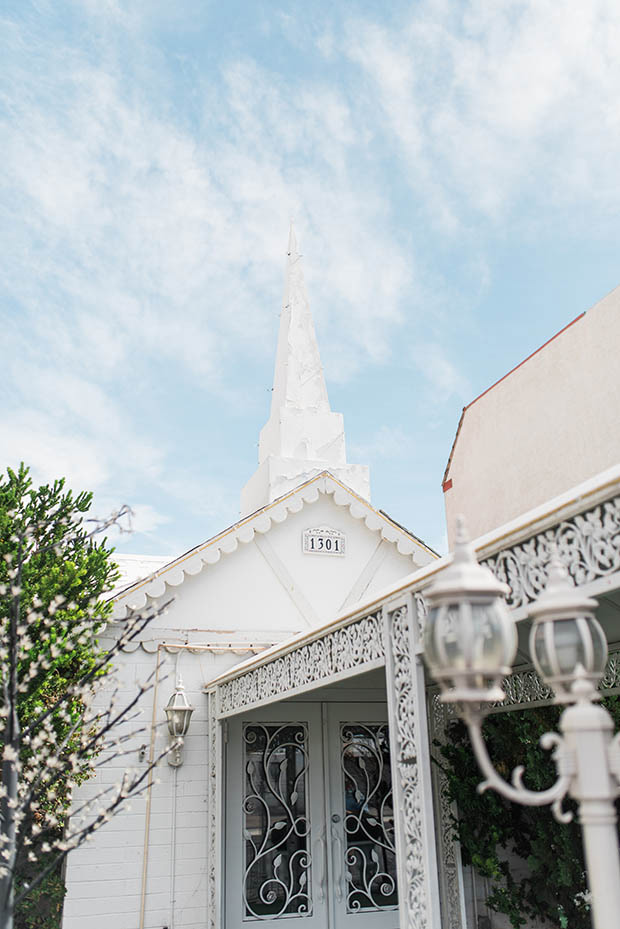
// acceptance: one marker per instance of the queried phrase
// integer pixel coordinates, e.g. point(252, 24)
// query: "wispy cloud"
point(144, 243)
point(146, 191)
point(444, 379)
point(386, 442)
point(485, 100)
point(162, 238)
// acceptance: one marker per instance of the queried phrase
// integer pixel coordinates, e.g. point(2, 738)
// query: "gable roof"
point(133, 568)
point(209, 553)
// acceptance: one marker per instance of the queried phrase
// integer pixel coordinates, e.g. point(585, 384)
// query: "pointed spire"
point(292, 242)
point(298, 380)
point(302, 436)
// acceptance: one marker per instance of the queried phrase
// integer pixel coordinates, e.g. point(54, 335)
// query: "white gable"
point(255, 581)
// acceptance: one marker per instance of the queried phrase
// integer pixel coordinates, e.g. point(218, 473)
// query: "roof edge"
point(194, 560)
point(495, 384)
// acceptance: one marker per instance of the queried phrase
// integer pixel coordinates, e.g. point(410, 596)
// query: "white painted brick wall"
point(104, 876)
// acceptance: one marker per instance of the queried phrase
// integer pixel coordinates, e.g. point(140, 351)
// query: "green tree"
point(53, 578)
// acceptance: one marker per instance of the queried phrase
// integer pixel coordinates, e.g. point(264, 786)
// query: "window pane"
point(276, 826)
point(370, 856)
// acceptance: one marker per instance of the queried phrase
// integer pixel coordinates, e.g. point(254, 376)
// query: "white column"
point(413, 800)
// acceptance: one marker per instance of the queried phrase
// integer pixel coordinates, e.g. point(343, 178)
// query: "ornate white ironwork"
point(214, 837)
point(350, 647)
point(370, 854)
point(588, 544)
point(449, 853)
point(407, 787)
point(611, 677)
point(276, 825)
point(525, 687)
point(421, 608)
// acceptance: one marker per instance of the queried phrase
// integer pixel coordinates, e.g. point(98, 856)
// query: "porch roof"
point(583, 522)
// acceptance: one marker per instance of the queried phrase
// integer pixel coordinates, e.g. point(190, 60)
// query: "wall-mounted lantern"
point(179, 712)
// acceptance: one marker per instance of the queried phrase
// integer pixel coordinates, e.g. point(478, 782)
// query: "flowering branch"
point(56, 729)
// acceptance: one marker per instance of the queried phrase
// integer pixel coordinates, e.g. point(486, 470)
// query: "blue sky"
point(452, 168)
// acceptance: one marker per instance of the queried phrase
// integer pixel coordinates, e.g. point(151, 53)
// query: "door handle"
point(321, 858)
point(337, 858)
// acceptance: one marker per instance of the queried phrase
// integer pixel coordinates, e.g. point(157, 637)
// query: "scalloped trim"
point(227, 542)
point(173, 648)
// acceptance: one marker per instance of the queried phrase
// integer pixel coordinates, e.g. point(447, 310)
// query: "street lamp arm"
point(470, 643)
point(516, 791)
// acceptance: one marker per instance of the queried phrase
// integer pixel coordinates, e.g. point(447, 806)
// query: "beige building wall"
point(551, 423)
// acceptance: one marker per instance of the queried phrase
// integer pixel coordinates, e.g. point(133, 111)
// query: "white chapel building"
point(306, 791)
point(286, 812)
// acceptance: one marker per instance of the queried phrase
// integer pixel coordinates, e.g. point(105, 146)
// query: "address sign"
point(323, 541)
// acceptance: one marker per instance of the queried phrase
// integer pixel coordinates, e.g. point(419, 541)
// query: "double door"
point(310, 819)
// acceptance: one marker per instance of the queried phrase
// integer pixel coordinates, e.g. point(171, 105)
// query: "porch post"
point(413, 797)
point(215, 774)
point(449, 850)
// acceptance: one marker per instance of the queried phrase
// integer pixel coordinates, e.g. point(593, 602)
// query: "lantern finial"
point(470, 638)
point(462, 535)
point(463, 549)
point(565, 634)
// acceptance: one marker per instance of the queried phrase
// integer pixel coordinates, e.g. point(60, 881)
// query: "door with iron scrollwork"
point(361, 818)
point(309, 818)
point(275, 859)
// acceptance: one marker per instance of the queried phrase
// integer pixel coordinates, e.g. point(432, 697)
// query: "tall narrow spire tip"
point(292, 241)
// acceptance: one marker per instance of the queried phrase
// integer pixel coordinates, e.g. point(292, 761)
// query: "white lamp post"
point(470, 643)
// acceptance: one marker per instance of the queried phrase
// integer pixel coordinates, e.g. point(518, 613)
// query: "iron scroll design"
point(440, 715)
point(408, 793)
point(370, 853)
point(588, 544)
point(212, 813)
point(276, 825)
point(523, 687)
point(348, 648)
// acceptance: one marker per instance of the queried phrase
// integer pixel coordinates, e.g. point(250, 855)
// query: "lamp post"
point(470, 643)
point(179, 712)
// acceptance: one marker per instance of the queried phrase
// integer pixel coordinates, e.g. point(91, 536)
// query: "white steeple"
point(302, 436)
